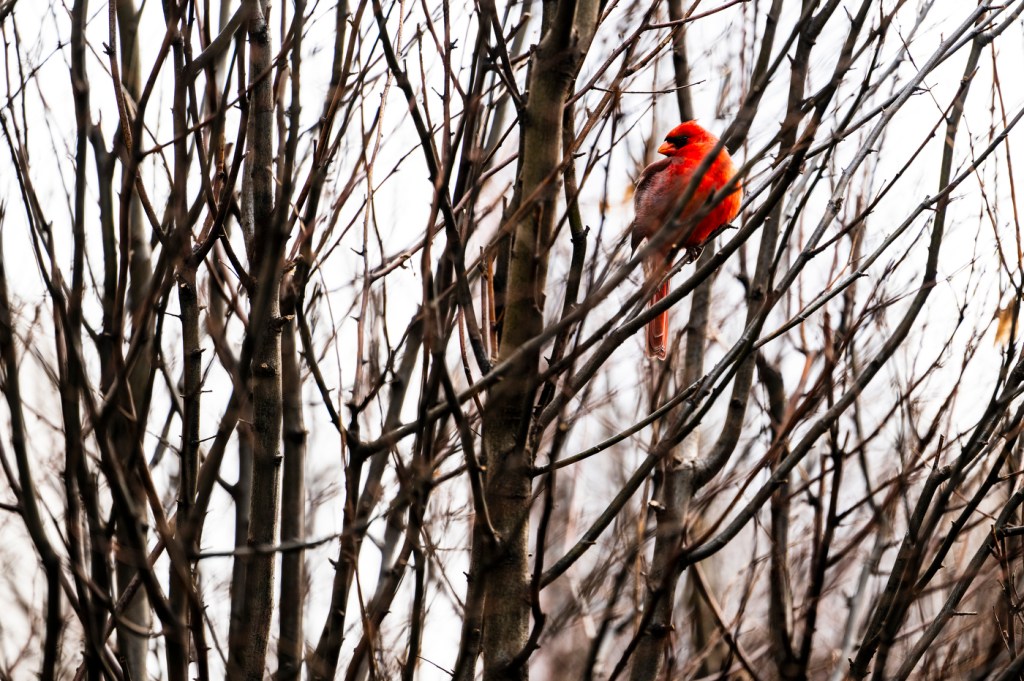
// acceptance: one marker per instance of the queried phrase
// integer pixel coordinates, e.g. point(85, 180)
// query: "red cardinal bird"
point(658, 192)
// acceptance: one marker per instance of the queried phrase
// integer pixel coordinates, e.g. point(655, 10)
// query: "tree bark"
point(178, 652)
point(507, 416)
point(293, 504)
point(672, 515)
point(131, 645)
point(249, 651)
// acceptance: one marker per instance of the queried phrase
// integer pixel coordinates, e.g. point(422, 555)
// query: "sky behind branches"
point(972, 284)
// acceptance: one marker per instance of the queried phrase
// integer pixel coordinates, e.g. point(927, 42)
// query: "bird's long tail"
point(657, 328)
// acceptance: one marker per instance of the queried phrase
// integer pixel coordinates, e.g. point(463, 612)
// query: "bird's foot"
point(691, 254)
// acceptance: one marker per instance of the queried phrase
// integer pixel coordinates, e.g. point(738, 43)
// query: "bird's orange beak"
point(666, 148)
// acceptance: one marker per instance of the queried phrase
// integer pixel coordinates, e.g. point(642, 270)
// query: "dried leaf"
point(1005, 318)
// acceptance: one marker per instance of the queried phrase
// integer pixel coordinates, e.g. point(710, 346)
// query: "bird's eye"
point(677, 141)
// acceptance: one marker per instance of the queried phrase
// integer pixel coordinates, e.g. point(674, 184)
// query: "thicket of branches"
point(320, 351)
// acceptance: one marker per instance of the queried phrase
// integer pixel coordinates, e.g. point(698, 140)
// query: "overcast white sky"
point(969, 265)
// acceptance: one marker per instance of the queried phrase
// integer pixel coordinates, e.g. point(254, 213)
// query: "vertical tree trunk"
point(248, 651)
point(673, 509)
point(178, 648)
point(509, 406)
point(77, 487)
point(131, 645)
point(242, 498)
point(293, 503)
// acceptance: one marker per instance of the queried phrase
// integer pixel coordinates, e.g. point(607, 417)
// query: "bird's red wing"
point(645, 221)
point(644, 181)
